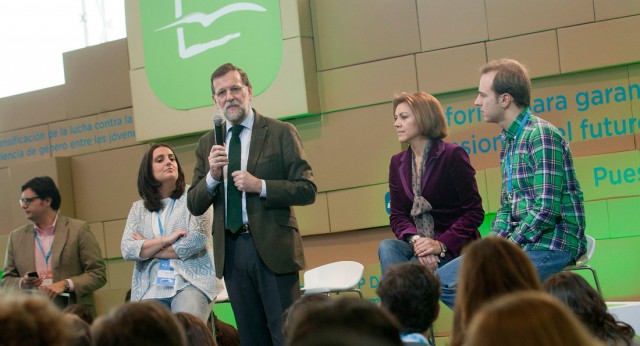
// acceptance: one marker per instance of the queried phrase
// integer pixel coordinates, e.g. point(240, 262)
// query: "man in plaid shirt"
point(542, 207)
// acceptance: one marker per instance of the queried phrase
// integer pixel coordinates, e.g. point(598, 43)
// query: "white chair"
point(581, 263)
point(336, 277)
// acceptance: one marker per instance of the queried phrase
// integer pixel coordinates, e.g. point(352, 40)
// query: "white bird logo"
point(205, 20)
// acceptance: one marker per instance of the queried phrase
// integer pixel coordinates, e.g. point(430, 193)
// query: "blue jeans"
point(546, 263)
point(394, 251)
point(191, 300)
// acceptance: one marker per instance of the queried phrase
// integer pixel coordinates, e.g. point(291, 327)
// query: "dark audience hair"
point(148, 185)
point(411, 293)
point(490, 268)
point(31, 319)
point(302, 306)
point(80, 331)
point(145, 323)
point(346, 321)
point(197, 332)
point(576, 293)
point(527, 318)
point(81, 310)
point(44, 187)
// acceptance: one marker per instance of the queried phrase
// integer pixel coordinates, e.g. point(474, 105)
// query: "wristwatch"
point(67, 288)
point(413, 239)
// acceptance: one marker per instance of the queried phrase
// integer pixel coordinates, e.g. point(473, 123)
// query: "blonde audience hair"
point(527, 319)
point(490, 268)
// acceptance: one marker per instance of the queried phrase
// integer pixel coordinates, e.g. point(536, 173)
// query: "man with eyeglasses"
point(252, 181)
point(55, 254)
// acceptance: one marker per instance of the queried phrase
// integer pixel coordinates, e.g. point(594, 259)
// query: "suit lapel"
point(30, 239)
point(59, 240)
point(258, 137)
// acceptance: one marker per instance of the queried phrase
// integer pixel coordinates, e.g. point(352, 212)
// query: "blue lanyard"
point(46, 256)
point(173, 203)
point(507, 159)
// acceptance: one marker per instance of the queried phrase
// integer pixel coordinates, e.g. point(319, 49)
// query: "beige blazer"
point(75, 255)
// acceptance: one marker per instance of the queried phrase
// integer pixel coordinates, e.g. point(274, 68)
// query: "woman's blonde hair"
point(428, 112)
point(527, 319)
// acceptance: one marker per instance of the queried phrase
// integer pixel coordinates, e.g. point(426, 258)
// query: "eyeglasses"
point(234, 90)
point(27, 201)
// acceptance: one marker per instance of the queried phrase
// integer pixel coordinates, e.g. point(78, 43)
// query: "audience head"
point(197, 332)
point(81, 310)
point(427, 111)
point(44, 190)
point(411, 293)
point(31, 320)
point(526, 319)
point(588, 305)
point(346, 322)
point(145, 323)
point(490, 268)
point(80, 331)
point(303, 306)
point(511, 78)
point(148, 183)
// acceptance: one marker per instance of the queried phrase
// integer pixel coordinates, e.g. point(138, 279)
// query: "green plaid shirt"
point(546, 211)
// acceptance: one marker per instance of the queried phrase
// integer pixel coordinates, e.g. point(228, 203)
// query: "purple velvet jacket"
point(449, 184)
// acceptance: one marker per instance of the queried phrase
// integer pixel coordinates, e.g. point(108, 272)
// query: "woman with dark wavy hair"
point(172, 249)
point(576, 293)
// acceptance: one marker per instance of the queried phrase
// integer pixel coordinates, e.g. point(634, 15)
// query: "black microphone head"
point(217, 120)
point(217, 126)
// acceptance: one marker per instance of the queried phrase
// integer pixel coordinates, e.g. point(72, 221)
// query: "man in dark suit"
point(257, 246)
point(61, 252)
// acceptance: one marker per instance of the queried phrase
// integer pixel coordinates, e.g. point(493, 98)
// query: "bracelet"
point(443, 249)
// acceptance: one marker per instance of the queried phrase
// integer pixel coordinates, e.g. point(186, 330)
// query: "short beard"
point(237, 116)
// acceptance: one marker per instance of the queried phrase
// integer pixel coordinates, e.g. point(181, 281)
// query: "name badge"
point(166, 274)
point(47, 277)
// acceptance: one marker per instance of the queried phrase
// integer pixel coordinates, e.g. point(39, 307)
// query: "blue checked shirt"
point(546, 210)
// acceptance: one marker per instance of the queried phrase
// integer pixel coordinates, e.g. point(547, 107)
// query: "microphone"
point(217, 125)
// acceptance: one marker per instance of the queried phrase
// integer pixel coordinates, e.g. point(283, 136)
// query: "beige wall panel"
point(120, 273)
point(607, 9)
point(296, 18)
point(468, 129)
point(314, 218)
point(74, 137)
point(295, 89)
point(20, 111)
point(116, 129)
point(358, 208)
point(541, 61)
point(106, 300)
point(494, 185)
point(451, 23)
point(595, 45)
point(97, 228)
point(57, 168)
point(134, 34)
point(366, 84)
point(26, 145)
point(450, 69)
point(113, 231)
point(591, 114)
point(357, 31)
point(360, 246)
point(97, 79)
point(104, 183)
point(517, 17)
point(481, 180)
point(351, 148)
point(7, 198)
point(4, 239)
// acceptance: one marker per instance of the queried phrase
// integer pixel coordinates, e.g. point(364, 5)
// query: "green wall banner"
point(185, 41)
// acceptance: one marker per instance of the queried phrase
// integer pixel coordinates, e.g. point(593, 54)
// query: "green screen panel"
point(597, 219)
point(624, 217)
point(616, 261)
